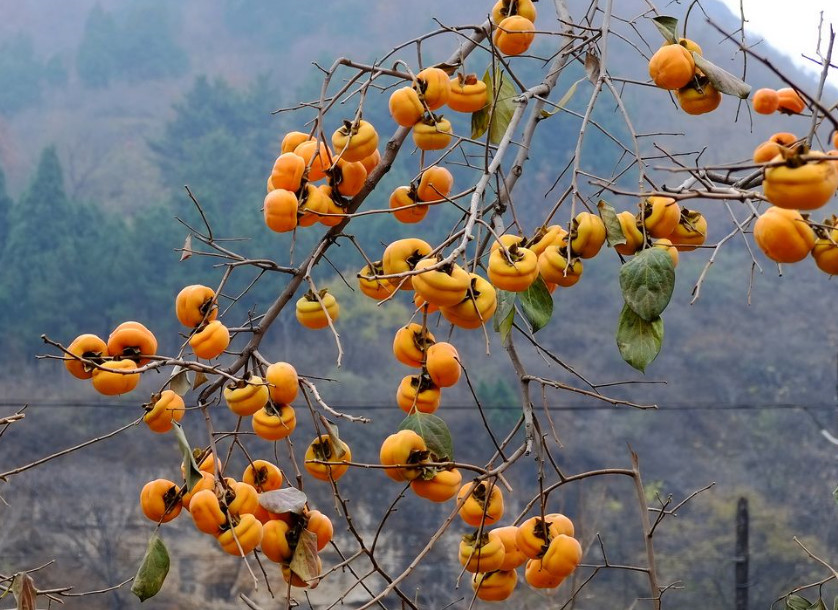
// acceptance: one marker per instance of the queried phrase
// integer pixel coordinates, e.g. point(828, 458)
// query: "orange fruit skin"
point(671, 67)
point(766, 101)
point(783, 236)
point(790, 101)
point(514, 35)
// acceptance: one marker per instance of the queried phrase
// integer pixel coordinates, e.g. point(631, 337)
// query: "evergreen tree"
point(96, 59)
point(5, 207)
point(148, 46)
point(140, 44)
point(55, 74)
point(20, 75)
point(55, 264)
point(221, 143)
point(148, 258)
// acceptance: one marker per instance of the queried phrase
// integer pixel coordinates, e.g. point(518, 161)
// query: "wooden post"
point(741, 558)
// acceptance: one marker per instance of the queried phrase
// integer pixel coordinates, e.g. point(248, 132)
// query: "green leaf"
point(562, 102)
point(434, 431)
point(722, 80)
point(153, 569)
point(285, 500)
point(537, 304)
point(480, 119)
point(647, 282)
point(796, 602)
point(668, 27)
point(835, 604)
point(613, 228)
point(304, 561)
point(506, 303)
point(497, 113)
point(504, 314)
point(190, 467)
point(818, 605)
point(639, 341)
point(506, 326)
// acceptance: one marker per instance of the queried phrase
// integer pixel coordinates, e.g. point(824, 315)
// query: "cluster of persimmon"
point(196, 308)
point(544, 545)
point(785, 100)
point(414, 105)
point(468, 300)
point(673, 67)
point(439, 364)
point(465, 299)
point(229, 510)
point(266, 401)
point(406, 456)
point(514, 22)
point(662, 223)
point(797, 178)
point(109, 365)
point(431, 89)
point(410, 204)
point(515, 262)
point(294, 199)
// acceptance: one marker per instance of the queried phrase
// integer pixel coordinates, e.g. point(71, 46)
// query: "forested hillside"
point(105, 119)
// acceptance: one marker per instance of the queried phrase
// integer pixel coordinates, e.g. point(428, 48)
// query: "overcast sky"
point(791, 26)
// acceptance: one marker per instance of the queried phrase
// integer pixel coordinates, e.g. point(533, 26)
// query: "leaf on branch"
point(434, 431)
point(304, 561)
point(153, 569)
point(668, 27)
point(537, 304)
point(338, 448)
point(504, 314)
point(179, 382)
point(647, 282)
point(23, 588)
point(592, 67)
point(199, 380)
point(190, 467)
point(480, 119)
point(613, 228)
point(497, 113)
point(288, 499)
point(797, 602)
point(722, 80)
point(562, 102)
point(639, 341)
point(187, 248)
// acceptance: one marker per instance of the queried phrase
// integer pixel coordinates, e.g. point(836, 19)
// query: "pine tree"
point(45, 281)
point(96, 59)
point(5, 207)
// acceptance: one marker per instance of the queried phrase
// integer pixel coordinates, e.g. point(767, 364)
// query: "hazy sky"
point(791, 27)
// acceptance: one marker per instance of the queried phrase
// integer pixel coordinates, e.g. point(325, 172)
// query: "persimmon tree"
point(492, 272)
